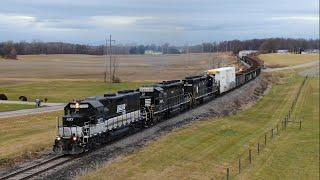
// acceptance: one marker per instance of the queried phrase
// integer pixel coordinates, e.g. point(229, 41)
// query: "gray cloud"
point(157, 21)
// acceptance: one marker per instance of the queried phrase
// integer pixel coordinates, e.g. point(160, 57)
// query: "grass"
point(23, 137)
point(14, 107)
point(283, 60)
point(204, 149)
point(64, 91)
point(295, 154)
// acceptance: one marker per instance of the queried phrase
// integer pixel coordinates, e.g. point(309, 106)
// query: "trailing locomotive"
point(162, 100)
point(100, 119)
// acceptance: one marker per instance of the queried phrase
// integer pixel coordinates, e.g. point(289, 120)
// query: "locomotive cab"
point(76, 120)
point(77, 114)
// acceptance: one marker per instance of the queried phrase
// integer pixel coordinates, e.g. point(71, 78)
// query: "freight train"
point(97, 120)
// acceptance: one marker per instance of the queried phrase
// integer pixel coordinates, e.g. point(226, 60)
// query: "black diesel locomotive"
point(100, 119)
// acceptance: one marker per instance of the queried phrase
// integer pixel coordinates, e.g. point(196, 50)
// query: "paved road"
point(314, 63)
point(29, 103)
point(46, 107)
point(24, 112)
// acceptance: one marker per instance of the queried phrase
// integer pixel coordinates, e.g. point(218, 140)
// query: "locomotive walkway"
point(46, 107)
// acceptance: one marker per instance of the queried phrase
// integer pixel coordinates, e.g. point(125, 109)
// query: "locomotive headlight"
point(58, 138)
point(74, 138)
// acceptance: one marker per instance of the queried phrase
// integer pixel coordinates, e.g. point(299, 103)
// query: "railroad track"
point(39, 168)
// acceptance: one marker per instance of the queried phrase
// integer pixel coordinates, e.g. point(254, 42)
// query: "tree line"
point(11, 49)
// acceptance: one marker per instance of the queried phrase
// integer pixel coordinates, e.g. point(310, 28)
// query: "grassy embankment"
point(204, 149)
point(27, 135)
point(295, 154)
point(283, 60)
point(14, 107)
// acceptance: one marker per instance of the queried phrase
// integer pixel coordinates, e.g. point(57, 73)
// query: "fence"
point(246, 158)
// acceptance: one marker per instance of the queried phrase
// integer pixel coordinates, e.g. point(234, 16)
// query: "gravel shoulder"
point(231, 103)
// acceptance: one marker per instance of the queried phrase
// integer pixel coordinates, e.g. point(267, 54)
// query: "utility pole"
point(202, 47)
point(110, 41)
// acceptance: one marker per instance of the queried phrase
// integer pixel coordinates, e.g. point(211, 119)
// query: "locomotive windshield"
point(77, 109)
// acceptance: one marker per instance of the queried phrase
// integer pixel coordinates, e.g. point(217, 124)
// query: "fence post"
point(277, 128)
point(228, 174)
point(300, 125)
point(250, 157)
point(239, 165)
point(272, 133)
point(258, 148)
point(265, 139)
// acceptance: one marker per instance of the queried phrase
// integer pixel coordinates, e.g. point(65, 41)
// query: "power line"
point(110, 41)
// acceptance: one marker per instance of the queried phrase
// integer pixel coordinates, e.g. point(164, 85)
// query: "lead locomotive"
point(97, 120)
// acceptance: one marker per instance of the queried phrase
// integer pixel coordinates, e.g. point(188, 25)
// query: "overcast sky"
point(157, 21)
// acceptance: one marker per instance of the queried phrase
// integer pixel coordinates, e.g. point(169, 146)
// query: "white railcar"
point(225, 77)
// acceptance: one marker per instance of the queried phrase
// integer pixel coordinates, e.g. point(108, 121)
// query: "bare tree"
point(115, 65)
point(12, 54)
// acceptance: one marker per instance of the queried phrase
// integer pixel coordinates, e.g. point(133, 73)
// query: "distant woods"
point(12, 49)
point(7, 50)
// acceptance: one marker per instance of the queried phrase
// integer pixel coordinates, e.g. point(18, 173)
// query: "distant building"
point(246, 52)
point(282, 51)
point(311, 51)
point(151, 52)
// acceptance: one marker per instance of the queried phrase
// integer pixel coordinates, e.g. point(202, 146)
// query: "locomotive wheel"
point(57, 149)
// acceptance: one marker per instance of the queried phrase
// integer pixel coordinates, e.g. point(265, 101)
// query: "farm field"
point(283, 60)
point(14, 107)
point(64, 91)
point(87, 67)
point(204, 149)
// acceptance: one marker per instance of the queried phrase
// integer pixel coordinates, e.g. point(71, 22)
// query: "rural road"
point(46, 107)
point(25, 112)
point(314, 63)
point(29, 103)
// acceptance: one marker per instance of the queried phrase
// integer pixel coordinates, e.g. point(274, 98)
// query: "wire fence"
point(246, 158)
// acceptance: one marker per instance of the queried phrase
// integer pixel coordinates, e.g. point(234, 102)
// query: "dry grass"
point(283, 60)
point(24, 137)
point(131, 67)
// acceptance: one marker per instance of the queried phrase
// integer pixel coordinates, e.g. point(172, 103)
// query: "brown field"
point(87, 67)
point(284, 60)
